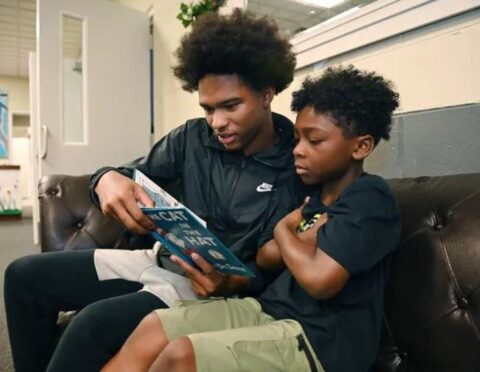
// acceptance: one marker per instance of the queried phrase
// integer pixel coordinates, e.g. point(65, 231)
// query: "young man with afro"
point(225, 167)
point(324, 310)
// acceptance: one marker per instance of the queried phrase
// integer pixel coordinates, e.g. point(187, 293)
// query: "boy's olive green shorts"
point(236, 335)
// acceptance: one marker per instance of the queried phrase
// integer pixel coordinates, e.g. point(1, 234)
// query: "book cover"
point(182, 232)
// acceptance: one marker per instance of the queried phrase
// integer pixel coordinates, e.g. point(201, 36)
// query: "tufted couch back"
point(69, 221)
point(432, 299)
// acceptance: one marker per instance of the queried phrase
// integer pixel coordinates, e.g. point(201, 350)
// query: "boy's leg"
point(38, 287)
point(150, 337)
point(265, 348)
point(234, 335)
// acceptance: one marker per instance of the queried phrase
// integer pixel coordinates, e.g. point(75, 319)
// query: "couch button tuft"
point(52, 191)
point(79, 225)
point(462, 303)
point(404, 355)
point(438, 226)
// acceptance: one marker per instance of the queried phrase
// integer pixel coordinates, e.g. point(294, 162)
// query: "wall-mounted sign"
point(4, 125)
point(10, 197)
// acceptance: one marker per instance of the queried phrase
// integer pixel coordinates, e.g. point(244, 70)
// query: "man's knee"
point(20, 272)
point(90, 322)
point(104, 323)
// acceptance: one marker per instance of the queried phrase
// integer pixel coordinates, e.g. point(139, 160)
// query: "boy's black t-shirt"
point(362, 229)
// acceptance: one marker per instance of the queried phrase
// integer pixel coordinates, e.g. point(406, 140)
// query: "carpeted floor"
point(16, 240)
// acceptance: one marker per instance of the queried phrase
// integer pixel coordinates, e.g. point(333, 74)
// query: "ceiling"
point(17, 36)
point(17, 24)
point(293, 17)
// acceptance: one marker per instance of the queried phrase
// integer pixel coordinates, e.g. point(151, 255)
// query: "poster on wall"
point(4, 126)
point(10, 198)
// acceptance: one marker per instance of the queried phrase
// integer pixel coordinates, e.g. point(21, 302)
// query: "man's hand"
point(118, 196)
point(209, 282)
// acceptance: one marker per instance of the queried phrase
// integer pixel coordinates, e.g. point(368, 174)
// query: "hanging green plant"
point(190, 12)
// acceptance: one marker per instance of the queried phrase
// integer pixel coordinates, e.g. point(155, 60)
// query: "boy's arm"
point(321, 276)
point(269, 257)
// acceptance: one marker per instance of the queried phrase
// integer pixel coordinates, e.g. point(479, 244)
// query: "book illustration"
point(182, 232)
point(156, 193)
point(159, 195)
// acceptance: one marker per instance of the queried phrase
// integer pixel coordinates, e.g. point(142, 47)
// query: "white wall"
point(173, 105)
point(18, 96)
point(432, 67)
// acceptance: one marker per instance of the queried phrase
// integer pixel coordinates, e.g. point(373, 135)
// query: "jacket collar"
point(275, 156)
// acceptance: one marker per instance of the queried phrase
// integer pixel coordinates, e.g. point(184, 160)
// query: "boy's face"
point(238, 115)
point(322, 152)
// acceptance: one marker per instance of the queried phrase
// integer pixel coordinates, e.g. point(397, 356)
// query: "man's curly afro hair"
point(239, 44)
point(360, 102)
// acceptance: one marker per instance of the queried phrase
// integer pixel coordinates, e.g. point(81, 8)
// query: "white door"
point(92, 85)
point(34, 144)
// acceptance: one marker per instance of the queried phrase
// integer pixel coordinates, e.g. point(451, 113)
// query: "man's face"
point(237, 114)
point(322, 152)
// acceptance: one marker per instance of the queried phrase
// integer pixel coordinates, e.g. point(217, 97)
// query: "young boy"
point(225, 167)
point(323, 311)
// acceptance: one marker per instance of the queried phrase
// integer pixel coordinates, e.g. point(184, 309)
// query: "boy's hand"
point(208, 281)
point(118, 196)
point(293, 219)
point(310, 236)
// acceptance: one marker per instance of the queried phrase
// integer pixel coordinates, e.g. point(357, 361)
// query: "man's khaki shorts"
point(236, 335)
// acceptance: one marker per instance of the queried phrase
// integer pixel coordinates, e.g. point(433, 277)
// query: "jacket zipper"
point(234, 186)
point(302, 346)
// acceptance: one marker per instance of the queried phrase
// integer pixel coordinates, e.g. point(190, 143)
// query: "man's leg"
point(99, 330)
point(141, 348)
point(38, 287)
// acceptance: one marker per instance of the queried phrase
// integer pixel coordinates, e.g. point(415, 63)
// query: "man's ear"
point(363, 147)
point(267, 97)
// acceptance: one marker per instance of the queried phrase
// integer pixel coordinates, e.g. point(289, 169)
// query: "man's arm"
point(321, 276)
point(116, 194)
point(206, 281)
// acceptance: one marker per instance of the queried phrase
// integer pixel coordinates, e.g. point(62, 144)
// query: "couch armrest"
point(69, 220)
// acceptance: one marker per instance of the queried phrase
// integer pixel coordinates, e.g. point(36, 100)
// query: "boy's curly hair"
point(360, 102)
point(240, 44)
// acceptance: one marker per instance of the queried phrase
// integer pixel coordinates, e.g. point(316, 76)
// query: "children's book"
point(182, 232)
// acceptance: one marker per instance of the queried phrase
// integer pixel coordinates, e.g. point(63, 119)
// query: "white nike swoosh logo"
point(264, 187)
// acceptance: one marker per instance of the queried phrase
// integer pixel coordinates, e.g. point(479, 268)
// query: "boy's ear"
point(267, 97)
point(363, 147)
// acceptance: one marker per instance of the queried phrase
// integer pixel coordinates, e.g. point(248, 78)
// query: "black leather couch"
point(432, 300)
